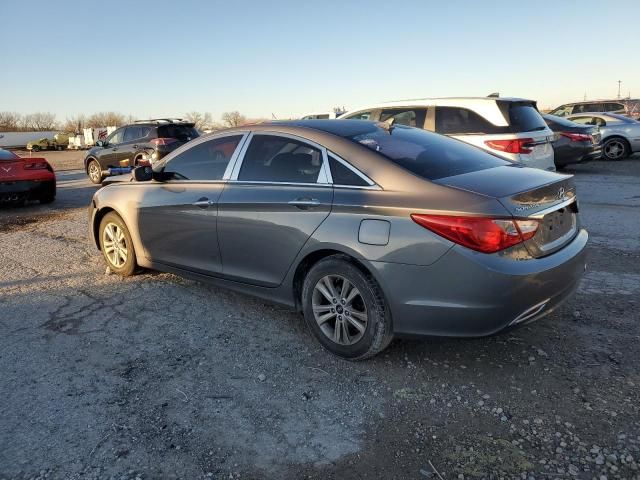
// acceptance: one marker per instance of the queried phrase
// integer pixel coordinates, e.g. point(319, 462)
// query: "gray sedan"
point(620, 134)
point(370, 230)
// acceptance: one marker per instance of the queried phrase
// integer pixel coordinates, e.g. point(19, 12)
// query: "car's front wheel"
point(116, 245)
point(95, 172)
point(345, 309)
point(615, 149)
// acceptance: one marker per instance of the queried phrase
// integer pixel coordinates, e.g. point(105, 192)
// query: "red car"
point(24, 179)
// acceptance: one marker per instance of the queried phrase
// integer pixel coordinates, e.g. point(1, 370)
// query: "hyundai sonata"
point(371, 230)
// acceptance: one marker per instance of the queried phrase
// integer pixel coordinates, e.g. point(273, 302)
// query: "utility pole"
point(619, 82)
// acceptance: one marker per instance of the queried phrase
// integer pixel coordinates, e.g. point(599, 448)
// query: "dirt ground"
point(155, 376)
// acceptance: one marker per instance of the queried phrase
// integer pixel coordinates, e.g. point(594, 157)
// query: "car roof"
point(605, 100)
point(483, 106)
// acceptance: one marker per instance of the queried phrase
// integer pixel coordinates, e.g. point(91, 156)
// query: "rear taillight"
point(162, 141)
point(515, 145)
point(577, 137)
point(487, 235)
point(35, 165)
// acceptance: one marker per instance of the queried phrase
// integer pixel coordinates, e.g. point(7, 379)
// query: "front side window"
point(562, 111)
point(361, 116)
point(272, 158)
point(413, 117)
point(205, 161)
point(116, 137)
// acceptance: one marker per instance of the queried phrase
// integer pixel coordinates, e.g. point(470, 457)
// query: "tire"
point(35, 148)
point(114, 233)
point(367, 308)
point(59, 148)
point(615, 148)
point(94, 170)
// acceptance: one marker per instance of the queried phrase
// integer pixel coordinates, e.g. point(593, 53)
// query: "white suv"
point(510, 127)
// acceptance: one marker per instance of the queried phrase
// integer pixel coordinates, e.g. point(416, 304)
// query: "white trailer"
point(20, 139)
point(92, 135)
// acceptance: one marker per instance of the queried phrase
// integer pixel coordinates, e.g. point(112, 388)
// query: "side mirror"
point(100, 143)
point(143, 174)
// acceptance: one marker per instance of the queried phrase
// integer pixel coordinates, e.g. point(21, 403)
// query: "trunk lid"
point(547, 197)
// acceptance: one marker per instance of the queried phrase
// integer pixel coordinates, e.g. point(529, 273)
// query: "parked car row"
point(627, 106)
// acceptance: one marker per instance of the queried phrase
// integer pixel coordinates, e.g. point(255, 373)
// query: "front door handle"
point(305, 203)
point(203, 203)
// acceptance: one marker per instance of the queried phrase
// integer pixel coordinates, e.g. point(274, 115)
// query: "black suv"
point(135, 144)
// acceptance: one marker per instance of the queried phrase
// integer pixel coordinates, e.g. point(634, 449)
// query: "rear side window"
point(205, 161)
point(525, 118)
point(271, 158)
point(426, 154)
point(613, 107)
point(411, 117)
point(458, 121)
point(183, 133)
point(588, 107)
point(343, 175)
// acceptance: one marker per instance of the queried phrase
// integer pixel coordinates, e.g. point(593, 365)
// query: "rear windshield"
point(7, 155)
point(183, 133)
point(525, 118)
point(425, 154)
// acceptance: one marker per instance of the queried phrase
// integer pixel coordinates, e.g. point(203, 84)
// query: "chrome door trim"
point(555, 207)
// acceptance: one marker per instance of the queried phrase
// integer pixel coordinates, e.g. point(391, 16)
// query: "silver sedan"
point(620, 134)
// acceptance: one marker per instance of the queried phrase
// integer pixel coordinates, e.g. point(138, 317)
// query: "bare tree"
point(202, 121)
point(10, 121)
point(39, 121)
point(233, 119)
point(106, 119)
point(74, 124)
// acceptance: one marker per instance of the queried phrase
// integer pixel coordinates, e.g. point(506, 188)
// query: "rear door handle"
point(305, 203)
point(203, 203)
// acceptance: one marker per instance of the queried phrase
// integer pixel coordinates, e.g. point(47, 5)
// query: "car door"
point(129, 147)
point(277, 196)
point(108, 155)
point(178, 216)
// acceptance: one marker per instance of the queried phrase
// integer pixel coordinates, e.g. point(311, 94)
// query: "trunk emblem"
point(561, 194)
point(6, 169)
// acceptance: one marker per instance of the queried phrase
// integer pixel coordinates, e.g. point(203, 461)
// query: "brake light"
point(162, 141)
point(577, 137)
point(515, 145)
point(486, 235)
point(35, 165)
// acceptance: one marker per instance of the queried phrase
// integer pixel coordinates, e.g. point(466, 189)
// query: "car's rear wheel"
point(35, 148)
point(95, 172)
point(615, 148)
point(345, 309)
point(116, 245)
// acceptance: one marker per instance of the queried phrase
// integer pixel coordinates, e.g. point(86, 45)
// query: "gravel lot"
point(160, 377)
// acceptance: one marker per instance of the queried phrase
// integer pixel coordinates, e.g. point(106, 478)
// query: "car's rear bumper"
point(466, 293)
point(26, 189)
point(577, 154)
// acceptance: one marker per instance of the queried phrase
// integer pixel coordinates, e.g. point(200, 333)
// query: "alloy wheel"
point(94, 172)
point(339, 309)
point(614, 149)
point(115, 245)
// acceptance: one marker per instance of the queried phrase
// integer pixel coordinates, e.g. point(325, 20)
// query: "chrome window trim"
point(372, 185)
point(206, 138)
point(325, 160)
point(260, 182)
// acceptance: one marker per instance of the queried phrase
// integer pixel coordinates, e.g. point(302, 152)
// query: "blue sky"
point(165, 58)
